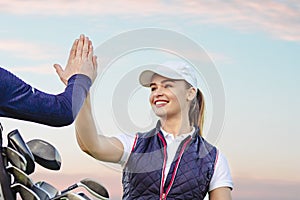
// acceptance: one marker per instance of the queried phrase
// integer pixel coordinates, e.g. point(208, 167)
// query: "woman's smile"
point(160, 103)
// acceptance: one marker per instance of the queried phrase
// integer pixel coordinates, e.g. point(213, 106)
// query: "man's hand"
point(81, 61)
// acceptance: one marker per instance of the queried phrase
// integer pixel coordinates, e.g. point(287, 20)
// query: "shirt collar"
point(181, 136)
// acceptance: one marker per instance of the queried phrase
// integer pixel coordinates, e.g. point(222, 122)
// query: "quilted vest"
point(189, 175)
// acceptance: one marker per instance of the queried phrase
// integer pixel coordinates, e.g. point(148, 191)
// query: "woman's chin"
point(161, 113)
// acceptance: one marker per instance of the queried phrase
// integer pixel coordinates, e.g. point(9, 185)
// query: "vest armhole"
point(216, 159)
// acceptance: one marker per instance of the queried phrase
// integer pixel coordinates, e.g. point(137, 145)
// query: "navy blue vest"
point(189, 175)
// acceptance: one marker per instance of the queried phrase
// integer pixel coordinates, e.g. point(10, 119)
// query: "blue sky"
point(254, 45)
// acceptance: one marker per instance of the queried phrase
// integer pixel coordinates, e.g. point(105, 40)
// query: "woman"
point(171, 161)
point(21, 101)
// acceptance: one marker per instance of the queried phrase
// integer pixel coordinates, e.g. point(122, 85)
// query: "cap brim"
point(146, 76)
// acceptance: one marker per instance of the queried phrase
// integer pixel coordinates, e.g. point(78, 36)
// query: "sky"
point(252, 93)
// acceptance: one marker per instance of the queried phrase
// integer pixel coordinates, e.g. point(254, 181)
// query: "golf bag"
point(5, 191)
point(17, 162)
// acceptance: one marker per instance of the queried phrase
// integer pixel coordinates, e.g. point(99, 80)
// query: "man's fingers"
point(95, 64)
point(90, 51)
point(85, 48)
point(60, 73)
point(58, 69)
point(73, 50)
point(80, 46)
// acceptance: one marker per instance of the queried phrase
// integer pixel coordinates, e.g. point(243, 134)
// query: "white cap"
point(171, 69)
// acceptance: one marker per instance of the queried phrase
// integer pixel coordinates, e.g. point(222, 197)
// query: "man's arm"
point(21, 101)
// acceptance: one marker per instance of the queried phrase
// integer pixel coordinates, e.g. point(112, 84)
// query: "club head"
point(16, 142)
point(84, 196)
point(24, 192)
point(51, 190)
point(20, 176)
point(14, 157)
point(45, 154)
point(94, 188)
point(40, 192)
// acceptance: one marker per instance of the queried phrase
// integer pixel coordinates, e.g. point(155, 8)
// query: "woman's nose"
point(159, 91)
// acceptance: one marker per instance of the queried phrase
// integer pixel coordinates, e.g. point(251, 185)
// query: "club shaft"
point(72, 187)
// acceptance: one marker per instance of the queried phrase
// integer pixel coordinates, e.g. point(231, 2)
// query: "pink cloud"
point(247, 188)
point(33, 52)
point(28, 50)
point(39, 69)
point(278, 18)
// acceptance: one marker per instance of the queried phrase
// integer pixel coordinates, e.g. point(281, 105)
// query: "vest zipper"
point(164, 194)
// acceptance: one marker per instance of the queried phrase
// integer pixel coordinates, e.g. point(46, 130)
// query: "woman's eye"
point(168, 86)
point(153, 89)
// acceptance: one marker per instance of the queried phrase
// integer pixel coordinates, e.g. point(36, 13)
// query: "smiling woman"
point(172, 160)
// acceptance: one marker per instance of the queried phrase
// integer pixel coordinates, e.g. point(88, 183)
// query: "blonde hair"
point(196, 112)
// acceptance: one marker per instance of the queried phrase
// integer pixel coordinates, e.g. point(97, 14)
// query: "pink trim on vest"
point(163, 195)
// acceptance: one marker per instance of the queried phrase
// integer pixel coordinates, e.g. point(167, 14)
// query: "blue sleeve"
point(19, 100)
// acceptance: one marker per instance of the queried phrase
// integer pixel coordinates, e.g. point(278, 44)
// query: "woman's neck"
point(176, 126)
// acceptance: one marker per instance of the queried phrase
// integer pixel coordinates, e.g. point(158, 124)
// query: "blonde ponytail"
point(200, 99)
point(196, 112)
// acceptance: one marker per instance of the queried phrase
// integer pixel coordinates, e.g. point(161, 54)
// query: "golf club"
point(45, 154)
point(91, 186)
point(20, 176)
point(51, 190)
point(23, 179)
point(14, 157)
point(69, 196)
point(24, 192)
point(16, 142)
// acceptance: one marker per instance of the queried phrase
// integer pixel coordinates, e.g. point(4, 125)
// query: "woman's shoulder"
point(206, 149)
point(147, 134)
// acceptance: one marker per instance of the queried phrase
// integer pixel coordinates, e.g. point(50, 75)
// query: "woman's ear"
point(192, 92)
